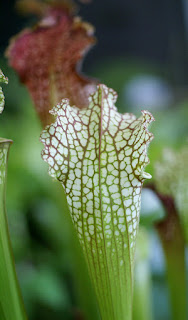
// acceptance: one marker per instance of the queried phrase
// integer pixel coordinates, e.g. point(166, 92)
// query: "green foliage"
point(10, 297)
point(31, 193)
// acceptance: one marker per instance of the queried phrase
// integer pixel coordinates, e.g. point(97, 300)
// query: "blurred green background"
point(142, 54)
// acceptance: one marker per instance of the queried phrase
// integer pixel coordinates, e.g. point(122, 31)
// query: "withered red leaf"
point(48, 59)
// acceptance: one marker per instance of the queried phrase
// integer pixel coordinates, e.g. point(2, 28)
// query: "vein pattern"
point(99, 157)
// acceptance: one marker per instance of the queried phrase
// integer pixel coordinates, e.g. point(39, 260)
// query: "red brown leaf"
point(48, 59)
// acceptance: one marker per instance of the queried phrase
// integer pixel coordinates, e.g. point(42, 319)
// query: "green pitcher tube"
point(11, 304)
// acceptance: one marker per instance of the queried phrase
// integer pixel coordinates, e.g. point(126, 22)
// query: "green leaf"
point(99, 157)
point(2, 98)
point(2, 316)
point(11, 305)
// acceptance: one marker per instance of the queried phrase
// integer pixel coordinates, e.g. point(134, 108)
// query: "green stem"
point(173, 243)
point(10, 297)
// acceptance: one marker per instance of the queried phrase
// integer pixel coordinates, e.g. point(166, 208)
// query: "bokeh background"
point(142, 53)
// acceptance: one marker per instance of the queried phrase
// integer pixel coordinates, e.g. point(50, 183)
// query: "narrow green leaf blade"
point(10, 298)
point(2, 315)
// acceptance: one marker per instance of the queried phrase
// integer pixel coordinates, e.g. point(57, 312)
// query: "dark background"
point(150, 30)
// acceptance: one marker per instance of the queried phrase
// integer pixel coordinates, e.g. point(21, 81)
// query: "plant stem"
point(173, 243)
